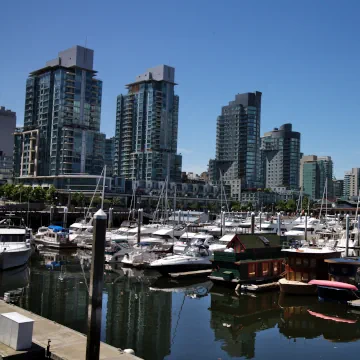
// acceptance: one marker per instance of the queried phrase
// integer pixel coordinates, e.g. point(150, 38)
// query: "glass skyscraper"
point(61, 133)
point(315, 171)
point(280, 153)
point(238, 143)
point(147, 128)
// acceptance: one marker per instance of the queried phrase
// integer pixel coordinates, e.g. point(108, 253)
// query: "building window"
point(298, 261)
point(298, 276)
point(275, 268)
point(265, 268)
point(252, 270)
point(313, 263)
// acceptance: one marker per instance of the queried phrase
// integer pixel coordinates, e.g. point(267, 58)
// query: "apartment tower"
point(146, 131)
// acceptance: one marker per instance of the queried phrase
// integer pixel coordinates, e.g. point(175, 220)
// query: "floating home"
point(253, 259)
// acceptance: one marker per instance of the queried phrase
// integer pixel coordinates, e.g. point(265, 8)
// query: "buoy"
point(129, 351)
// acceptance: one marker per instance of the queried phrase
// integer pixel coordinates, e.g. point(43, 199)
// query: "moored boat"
point(14, 250)
point(305, 264)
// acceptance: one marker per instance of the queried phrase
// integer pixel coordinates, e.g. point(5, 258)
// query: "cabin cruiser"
point(192, 239)
point(145, 252)
point(313, 227)
point(14, 250)
point(116, 251)
point(131, 234)
point(56, 237)
point(192, 259)
point(354, 239)
point(79, 228)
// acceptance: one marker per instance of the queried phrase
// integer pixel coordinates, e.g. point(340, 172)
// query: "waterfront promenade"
point(65, 343)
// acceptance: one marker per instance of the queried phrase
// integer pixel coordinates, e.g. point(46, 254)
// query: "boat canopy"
point(56, 228)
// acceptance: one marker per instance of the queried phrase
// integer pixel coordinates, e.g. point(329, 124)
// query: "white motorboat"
point(131, 234)
point(116, 252)
point(146, 252)
point(194, 258)
point(192, 239)
point(14, 251)
point(314, 226)
point(354, 240)
point(56, 237)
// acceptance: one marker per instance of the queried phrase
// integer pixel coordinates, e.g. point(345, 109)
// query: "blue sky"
point(304, 56)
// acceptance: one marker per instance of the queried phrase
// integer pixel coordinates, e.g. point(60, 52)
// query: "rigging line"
point(177, 322)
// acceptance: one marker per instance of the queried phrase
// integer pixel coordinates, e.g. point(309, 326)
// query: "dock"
point(65, 343)
point(190, 274)
point(354, 303)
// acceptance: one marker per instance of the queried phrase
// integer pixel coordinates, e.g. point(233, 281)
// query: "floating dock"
point(65, 343)
point(187, 274)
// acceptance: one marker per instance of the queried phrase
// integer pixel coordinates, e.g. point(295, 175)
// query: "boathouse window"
point(265, 269)
point(275, 267)
point(305, 277)
point(251, 270)
point(292, 261)
point(313, 263)
point(298, 276)
point(298, 261)
point(292, 275)
point(305, 262)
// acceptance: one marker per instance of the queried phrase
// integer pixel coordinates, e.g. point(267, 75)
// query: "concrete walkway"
point(66, 343)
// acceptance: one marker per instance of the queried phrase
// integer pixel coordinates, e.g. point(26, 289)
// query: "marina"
point(163, 318)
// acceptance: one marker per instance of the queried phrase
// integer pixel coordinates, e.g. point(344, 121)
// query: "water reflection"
point(237, 319)
point(14, 280)
point(175, 319)
point(308, 318)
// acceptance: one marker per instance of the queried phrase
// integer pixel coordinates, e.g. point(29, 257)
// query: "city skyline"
point(291, 59)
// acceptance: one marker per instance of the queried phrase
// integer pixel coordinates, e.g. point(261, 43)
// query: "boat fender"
point(129, 351)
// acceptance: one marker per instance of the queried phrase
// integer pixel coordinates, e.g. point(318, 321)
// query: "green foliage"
point(291, 205)
point(280, 205)
point(235, 206)
point(250, 206)
point(78, 199)
point(116, 201)
point(194, 206)
point(38, 194)
point(51, 195)
point(97, 201)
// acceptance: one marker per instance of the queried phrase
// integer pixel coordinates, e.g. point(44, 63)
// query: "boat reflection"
point(194, 288)
point(12, 282)
point(237, 319)
point(308, 318)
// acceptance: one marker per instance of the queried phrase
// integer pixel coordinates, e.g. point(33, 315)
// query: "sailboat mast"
point(326, 200)
point(103, 189)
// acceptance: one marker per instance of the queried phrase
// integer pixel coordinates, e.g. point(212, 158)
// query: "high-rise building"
point(109, 155)
point(61, 133)
point(351, 183)
point(280, 154)
point(338, 188)
point(238, 144)
point(315, 173)
point(325, 165)
point(8, 125)
point(147, 128)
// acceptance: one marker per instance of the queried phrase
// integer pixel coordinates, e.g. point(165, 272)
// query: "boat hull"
point(13, 259)
point(297, 288)
point(53, 245)
point(333, 294)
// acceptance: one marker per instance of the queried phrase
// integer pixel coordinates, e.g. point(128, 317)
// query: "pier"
point(65, 343)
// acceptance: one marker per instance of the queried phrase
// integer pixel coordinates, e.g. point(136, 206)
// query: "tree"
point(194, 206)
point(235, 206)
point(38, 194)
point(280, 205)
point(51, 195)
point(8, 190)
point(250, 206)
point(291, 205)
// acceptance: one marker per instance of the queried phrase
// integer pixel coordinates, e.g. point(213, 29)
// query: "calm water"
point(163, 319)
